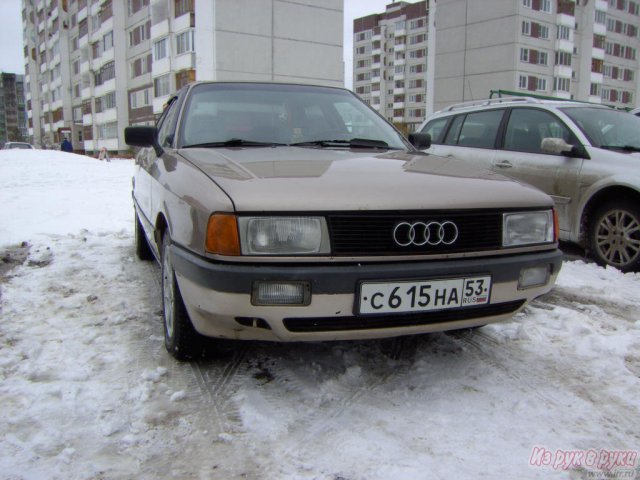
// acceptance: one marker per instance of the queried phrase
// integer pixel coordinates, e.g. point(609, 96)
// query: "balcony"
point(566, 20)
point(183, 22)
point(399, 47)
point(375, 93)
point(107, 116)
point(160, 67)
point(398, 119)
point(85, 93)
point(562, 71)
point(105, 58)
point(565, 46)
point(375, 79)
point(398, 91)
point(84, 67)
point(561, 94)
point(597, 77)
point(106, 27)
point(82, 14)
point(160, 29)
point(87, 119)
point(597, 53)
point(599, 29)
point(397, 105)
point(185, 61)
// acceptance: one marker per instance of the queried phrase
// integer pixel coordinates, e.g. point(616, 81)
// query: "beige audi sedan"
point(295, 213)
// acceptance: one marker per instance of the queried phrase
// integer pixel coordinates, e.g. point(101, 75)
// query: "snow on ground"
point(87, 390)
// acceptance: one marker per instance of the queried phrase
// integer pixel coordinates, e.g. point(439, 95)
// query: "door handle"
point(505, 164)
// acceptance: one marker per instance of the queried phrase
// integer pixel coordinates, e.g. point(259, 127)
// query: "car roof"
point(475, 105)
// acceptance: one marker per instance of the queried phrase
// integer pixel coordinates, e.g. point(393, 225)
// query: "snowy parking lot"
point(88, 391)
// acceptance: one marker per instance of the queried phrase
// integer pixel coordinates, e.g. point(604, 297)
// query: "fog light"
point(533, 277)
point(281, 293)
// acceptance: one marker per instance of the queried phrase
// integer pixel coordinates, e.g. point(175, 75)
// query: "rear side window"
point(478, 129)
point(527, 127)
point(435, 128)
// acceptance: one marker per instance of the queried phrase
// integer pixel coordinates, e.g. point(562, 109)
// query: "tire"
point(180, 338)
point(614, 235)
point(143, 249)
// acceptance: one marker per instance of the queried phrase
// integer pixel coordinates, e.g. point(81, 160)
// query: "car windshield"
point(248, 114)
point(607, 128)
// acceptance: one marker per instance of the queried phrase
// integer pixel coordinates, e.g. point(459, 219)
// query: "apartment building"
point(390, 62)
point(585, 50)
point(94, 67)
point(13, 112)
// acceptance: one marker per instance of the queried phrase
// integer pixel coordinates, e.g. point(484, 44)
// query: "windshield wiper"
point(624, 148)
point(353, 143)
point(234, 142)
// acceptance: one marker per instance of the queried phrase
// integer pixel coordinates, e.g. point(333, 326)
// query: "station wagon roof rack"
point(490, 101)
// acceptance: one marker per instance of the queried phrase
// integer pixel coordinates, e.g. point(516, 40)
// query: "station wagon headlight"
point(528, 228)
point(283, 235)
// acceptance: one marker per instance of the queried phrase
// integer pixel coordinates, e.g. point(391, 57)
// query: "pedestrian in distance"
point(66, 146)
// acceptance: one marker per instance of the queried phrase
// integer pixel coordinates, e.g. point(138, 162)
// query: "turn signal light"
point(556, 226)
point(222, 235)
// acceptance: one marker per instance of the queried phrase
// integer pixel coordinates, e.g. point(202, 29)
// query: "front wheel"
point(180, 338)
point(614, 235)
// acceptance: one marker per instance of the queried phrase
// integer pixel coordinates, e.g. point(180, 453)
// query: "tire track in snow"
point(538, 377)
point(213, 378)
point(325, 418)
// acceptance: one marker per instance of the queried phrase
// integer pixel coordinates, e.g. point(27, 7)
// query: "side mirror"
point(143, 137)
point(421, 141)
point(558, 146)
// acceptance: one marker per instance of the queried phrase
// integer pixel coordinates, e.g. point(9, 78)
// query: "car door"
point(147, 170)
point(520, 156)
point(469, 137)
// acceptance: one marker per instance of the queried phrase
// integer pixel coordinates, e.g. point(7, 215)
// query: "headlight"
point(283, 235)
point(527, 228)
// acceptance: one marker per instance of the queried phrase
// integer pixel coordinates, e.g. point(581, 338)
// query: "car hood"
point(321, 179)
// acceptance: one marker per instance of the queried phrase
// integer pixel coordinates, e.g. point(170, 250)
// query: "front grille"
point(334, 324)
point(364, 234)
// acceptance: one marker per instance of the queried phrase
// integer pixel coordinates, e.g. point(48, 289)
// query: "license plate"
point(421, 296)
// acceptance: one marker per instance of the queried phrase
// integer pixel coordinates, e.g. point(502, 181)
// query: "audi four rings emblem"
point(421, 233)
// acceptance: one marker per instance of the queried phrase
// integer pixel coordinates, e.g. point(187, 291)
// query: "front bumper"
point(218, 296)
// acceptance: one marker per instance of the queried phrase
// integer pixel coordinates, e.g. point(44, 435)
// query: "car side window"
point(166, 125)
point(527, 127)
point(435, 128)
point(479, 129)
point(454, 131)
point(476, 129)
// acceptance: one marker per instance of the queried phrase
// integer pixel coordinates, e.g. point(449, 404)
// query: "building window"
point(140, 33)
point(160, 49)
point(183, 6)
point(526, 28)
point(162, 86)
point(107, 41)
point(601, 17)
point(561, 84)
point(545, 6)
point(524, 55)
point(184, 42)
point(526, 3)
point(564, 32)
point(541, 84)
point(563, 58)
point(108, 130)
point(522, 82)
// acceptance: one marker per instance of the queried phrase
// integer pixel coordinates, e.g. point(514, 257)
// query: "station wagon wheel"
point(143, 250)
point(614, 236)
point(180, 338)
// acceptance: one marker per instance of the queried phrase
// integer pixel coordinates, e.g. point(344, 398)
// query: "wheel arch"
point(600, 197)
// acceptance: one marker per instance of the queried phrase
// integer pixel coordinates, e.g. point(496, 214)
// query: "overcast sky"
point(11, 47)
